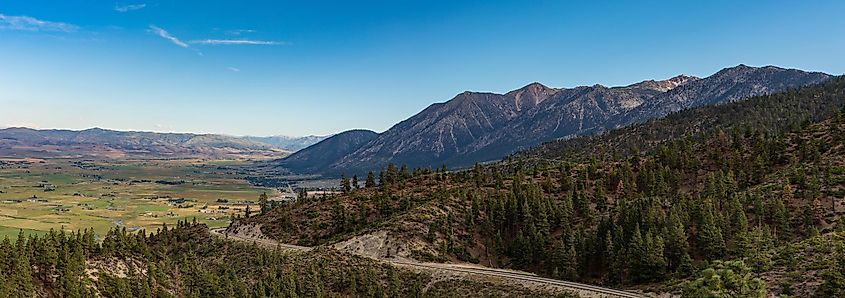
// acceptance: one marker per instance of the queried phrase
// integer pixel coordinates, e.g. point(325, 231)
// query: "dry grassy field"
point(37, 195)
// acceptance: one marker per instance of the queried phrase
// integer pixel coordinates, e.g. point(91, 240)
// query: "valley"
point(40, 194)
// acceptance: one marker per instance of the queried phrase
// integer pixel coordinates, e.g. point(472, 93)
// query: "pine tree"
point(656, 259)
point(392, 174)
point(570, 265)
point(478, 175)
point(371, 180)
point(404, 173)
point(781, 216)
point(20, 282)
point(263, 203)
point(345, 185)
point(741, 242)
point(609, 256)
point(710, 237)
point(809, 220)
point(638, 256)
point(677, 245)
point(542, 220)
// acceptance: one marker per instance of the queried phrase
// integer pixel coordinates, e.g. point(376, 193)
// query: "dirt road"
point(518, 276)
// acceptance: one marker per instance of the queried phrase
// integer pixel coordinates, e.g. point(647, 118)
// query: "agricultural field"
point(37, 195)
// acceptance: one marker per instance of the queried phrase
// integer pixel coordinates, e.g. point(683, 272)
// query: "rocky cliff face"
point(476, 127)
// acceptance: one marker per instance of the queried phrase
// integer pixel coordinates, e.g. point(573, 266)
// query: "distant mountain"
point(474, 126)
point(321, 155)
point(292, 144)
point(96, 142)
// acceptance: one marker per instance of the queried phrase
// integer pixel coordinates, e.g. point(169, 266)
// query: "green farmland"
point(37, 195)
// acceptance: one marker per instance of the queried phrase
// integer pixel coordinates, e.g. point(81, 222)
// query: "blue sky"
point(320, 67)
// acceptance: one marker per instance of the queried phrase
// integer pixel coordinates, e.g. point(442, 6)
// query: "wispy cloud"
point(236, 42)
point(235, 69)
point(239, 31)
point(166, 35)
point(26, 23)
point(128, 7)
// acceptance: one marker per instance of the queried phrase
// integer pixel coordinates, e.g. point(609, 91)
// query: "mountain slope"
point(730, 84)
point(592, 115)
point(292, 144)
point(476, 127)
point(771, 114)
point(444, 131)
point(320, 155)
point(109, 143)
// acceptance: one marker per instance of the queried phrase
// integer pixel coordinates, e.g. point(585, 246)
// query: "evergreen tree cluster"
point(186, 261)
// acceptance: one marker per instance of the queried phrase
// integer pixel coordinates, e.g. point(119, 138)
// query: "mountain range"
point(288, 143)
point(480, 126)
point(97, 142)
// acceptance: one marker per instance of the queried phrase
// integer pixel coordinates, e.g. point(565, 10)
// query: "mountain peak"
point(679, 80)
point(682, 78)
point(665, 85)
point(532, 94)
point(741, 68)
point(536, 86)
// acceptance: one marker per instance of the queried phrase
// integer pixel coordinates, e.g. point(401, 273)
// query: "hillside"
point(186, 261)
point(753, 195)
point(320, 155)
point(96, 142)
point(477, 127)
point(287, 143)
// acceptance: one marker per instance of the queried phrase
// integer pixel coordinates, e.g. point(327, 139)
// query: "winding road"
point(584, 289)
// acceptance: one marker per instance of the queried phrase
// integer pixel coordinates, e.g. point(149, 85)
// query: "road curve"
point(506, 274)
point(515, 275)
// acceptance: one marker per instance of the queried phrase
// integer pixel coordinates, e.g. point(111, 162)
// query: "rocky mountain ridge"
point(482, 126)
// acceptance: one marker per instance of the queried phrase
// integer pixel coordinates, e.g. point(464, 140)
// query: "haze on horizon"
point(289, 68)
